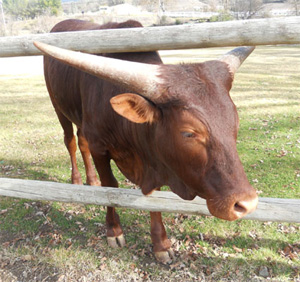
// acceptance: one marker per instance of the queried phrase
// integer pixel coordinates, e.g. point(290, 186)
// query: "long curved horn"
point(236, 57)
point(139, 77)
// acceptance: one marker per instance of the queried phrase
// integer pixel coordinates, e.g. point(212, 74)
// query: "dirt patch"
point(22, 271)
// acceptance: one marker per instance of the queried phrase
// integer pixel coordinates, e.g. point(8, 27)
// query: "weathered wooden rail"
point(269, 209)
point(234, 33)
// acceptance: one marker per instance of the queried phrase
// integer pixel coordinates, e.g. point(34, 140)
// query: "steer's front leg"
point(161, 243)
point(114, 233)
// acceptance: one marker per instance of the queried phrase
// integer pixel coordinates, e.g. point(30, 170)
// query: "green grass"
point(69, 239)
point(267, 97)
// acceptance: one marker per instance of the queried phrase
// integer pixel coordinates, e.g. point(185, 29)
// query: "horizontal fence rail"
point(270, 31)
point(269, 209)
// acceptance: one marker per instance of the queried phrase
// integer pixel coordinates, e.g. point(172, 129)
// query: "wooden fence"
point(269, 209)
point(250, 32)
point(234, 33)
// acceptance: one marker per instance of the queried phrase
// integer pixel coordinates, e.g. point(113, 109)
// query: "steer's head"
point(194, 120)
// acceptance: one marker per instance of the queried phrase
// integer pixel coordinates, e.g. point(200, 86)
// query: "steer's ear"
point(135, 108)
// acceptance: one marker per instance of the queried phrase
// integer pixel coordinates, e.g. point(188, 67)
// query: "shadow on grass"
point(35, 170)
point(84, 226)
point(273, 93)
point(267, 106)
point(42, 226)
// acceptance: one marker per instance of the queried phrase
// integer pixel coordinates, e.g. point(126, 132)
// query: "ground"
point(43, 241)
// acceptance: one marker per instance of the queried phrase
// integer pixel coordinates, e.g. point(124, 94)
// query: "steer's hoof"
point(115, 242)
point(165, 257)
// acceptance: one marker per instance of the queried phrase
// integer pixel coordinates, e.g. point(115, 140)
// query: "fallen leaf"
point(26, 258)
point(6, 244)
point(264, 272)
point(3, 211)
point(238, 250)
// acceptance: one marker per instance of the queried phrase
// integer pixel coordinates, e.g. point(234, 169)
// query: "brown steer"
point(172, 125)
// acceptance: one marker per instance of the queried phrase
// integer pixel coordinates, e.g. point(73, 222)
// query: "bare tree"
point(296, 4)
point(245, 9)
point(3, 18)
point(115, 2)
point(213, 4)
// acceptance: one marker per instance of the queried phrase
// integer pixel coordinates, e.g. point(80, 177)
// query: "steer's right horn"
point(139, 77)
point(236, 57)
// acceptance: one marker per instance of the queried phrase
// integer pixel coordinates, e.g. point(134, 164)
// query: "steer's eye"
point(188, 134)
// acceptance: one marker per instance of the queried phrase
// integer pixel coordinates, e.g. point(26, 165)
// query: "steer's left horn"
point(236, 57)
point(139, 77)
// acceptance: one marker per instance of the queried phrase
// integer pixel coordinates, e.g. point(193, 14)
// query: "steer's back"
point(74, 92)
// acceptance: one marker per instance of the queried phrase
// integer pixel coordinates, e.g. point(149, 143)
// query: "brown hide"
point(184, 138)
